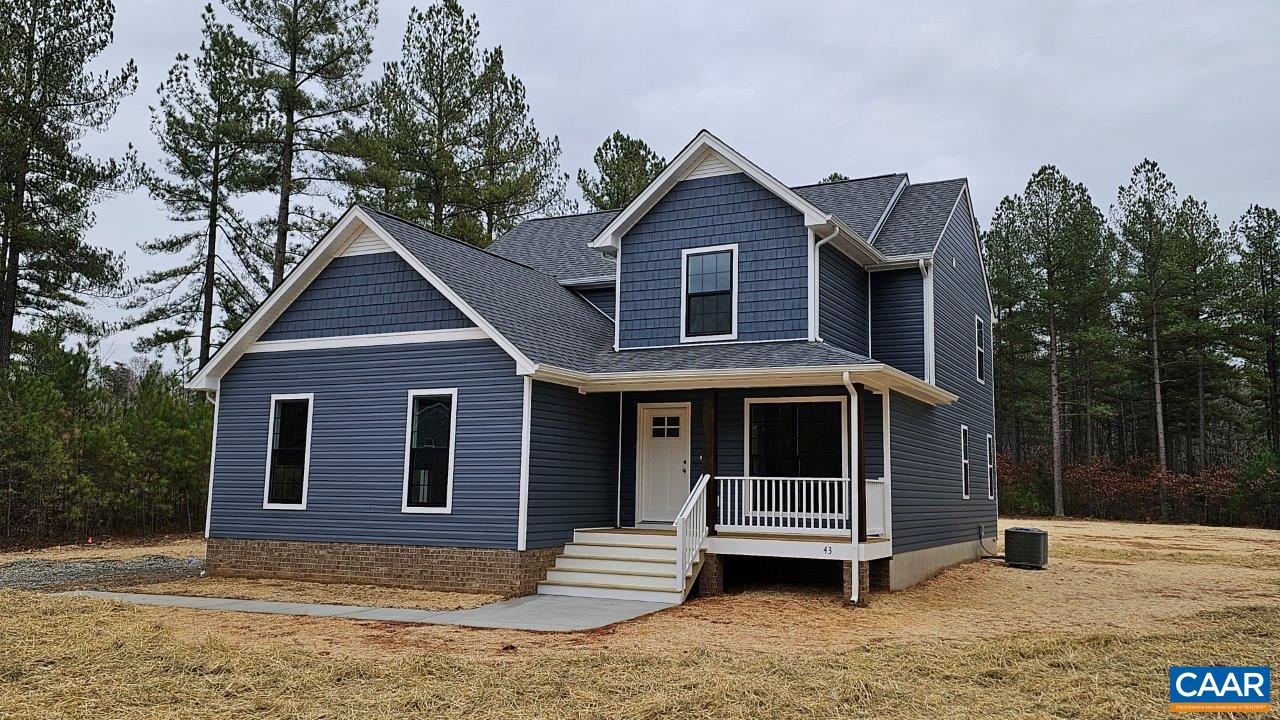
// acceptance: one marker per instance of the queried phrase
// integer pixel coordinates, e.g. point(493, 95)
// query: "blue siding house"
point(610, 404)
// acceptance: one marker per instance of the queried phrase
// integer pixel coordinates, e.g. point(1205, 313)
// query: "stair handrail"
point(691, 530)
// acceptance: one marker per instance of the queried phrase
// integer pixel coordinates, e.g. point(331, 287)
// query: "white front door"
point(662, 461)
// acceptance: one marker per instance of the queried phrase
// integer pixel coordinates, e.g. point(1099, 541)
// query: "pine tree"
point(48, 101)
point(1258, 232)
point(515, 172)
point(624, 167)
point(208, 125)
point(450, 142)
point(833, 177)
point(1146, 212)
point(311, 55)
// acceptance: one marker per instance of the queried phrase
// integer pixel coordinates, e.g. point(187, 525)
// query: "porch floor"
point(737, 535)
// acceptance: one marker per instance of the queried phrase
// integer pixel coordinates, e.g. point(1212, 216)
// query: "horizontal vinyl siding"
point(725, 209)
point(927, 502)
point(573, 460)
point(358, 444)
point(602, 298)
point(842, 307)
point(363, 294)
point(897, 319)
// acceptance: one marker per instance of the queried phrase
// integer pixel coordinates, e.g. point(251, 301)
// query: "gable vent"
point(366, 243)
point(712, 164)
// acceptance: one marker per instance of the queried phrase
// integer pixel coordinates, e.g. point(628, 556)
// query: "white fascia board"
point(893, 202)
point(874, 375)
point(684, 161)
point(313, 263)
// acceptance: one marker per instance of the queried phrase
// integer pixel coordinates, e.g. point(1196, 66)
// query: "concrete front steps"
point(619, 564)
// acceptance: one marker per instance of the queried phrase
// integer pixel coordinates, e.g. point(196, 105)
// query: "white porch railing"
point(877, 506)
point(691, 530)
point(818, 506)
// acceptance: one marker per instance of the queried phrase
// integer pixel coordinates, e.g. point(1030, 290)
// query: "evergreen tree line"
point(276, 107)
point(1136, 353)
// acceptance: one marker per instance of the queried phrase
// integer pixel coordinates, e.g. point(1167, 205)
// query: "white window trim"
point(684, 295)
point(843, 400)
point(306, 455)
point(452, 393)
point(966, 486)
point(979, 349)
point(991, 467)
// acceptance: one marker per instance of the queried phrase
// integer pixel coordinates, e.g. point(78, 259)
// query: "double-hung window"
point(429, 443)
point(964, 461)
point(709, 306)
point(288, 452)
point(991, 468)
point(980, 340)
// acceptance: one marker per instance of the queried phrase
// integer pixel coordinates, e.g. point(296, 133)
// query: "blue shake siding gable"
point(358, 445)
point(365, 294)
point(721, 210)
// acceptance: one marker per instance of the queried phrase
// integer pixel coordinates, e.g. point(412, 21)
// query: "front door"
point(662, 461)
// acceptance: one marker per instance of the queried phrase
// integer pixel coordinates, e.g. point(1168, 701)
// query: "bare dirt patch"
point(182, 546)
point(312, 592)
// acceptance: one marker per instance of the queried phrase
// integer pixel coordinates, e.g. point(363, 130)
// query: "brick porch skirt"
point(505, 572)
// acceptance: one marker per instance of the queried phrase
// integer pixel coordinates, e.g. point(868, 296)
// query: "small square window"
point(666, 426)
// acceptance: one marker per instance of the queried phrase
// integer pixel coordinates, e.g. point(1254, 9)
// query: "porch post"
point(710, 454)
point(861, 470)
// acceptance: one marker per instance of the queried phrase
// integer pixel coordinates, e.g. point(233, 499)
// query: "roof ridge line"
point(857, 179)
point(463, 243)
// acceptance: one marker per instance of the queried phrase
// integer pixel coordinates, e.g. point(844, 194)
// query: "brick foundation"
point(710, 582)
point(505, 572)
point(879, 571)
point(864, 582)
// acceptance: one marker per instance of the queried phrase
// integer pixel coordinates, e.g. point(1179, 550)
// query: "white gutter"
point(855, 511)
point(816, 286)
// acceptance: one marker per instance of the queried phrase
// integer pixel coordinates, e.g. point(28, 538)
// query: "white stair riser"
point(617, 551)
point(580, 563)
point(589, 536)
point(648, 581)
point(670, 598)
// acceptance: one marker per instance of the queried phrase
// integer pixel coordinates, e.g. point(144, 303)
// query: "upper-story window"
point(709, 305)
point(980, 339)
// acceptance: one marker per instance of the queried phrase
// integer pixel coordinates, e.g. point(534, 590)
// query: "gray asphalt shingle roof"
point(558, 245)
point(552, 324)
point(859, 203)
point(918, 218)
point(547, 322)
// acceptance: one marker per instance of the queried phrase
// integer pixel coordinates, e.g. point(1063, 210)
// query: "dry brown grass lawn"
point(312, 592)
point(1091, 637)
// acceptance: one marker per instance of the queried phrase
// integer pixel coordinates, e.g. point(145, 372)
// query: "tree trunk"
point(1055, 414)
point(1200, 459)
point(210, 257)
point(1159, 409)
point(282, 211)
point(1089, 440)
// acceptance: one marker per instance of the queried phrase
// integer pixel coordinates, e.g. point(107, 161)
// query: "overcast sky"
point(988, 91)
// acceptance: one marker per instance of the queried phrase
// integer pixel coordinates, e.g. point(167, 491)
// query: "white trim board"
point(353, 223)
point(213, 459)
point(526, 425)
point(306, 454)
point(452, 394)
point(368, 340)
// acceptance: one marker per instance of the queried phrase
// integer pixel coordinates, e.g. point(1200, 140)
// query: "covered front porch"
point(795, 464)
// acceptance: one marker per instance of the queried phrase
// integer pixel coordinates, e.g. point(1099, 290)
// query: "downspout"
point(817, 280)
point(855, 512)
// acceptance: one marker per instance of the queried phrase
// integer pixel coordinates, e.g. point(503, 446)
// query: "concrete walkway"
point(547, 613)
